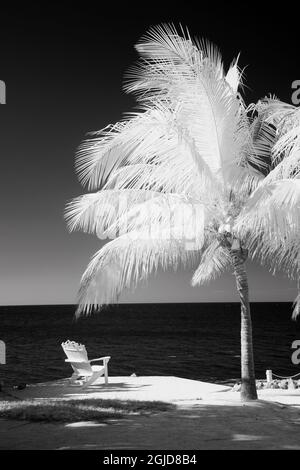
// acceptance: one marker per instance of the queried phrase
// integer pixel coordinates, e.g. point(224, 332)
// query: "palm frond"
point(189, 76)
point(129, 141)
point(110, 213)
point(287, 168)
point(286, 151)
point(153, 138)
point(273, 111)
point(274, 254)
point(276, 136)
point(166, 55)
point(269, 225)
point(242, 179)
point(296, 307)
point(214, 261)
point(126, 261)
point(96, 212)
point(171, 211)
point(274, 208)
point(234, 76)
point(289, 133)
point(263, 137)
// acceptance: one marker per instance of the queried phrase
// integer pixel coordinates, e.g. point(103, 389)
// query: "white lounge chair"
point(81, 365)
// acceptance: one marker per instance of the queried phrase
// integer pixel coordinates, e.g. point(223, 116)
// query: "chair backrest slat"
point(75, 352)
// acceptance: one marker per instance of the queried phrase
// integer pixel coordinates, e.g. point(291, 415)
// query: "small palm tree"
point(192, 178)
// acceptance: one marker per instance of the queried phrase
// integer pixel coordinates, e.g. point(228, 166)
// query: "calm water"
point(196, 341)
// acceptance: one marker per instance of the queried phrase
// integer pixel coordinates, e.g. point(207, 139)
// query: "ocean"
point(194, 341)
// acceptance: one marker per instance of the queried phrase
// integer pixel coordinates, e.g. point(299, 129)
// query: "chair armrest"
point(104, 359)
point(75, 362)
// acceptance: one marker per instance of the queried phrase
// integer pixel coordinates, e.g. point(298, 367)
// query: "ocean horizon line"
point(149, 303)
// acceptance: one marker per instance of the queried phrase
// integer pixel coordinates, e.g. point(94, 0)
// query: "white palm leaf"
point(242, 179)
point(274, 111)
point(275, 254)
point(272, 208)
point(195, 85)
point(180, 217)
point(96, 212)
point(126, 261)
point(286, 151)
point(128, 141)
point(287, 168)
point(168, 57)
point(280, 145)
point(255, 143)
point(263, 137)
point(212, 119)
point(165, 56)
point(110, 213)
point(98, 156)
point(214, 261)
point(174, 167)
point(289, 135)
point(296, 309)
point(234, 76)
point(269, 226)
point(151, 138)
point(162, 42)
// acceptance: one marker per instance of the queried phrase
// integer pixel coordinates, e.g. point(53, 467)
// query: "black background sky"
point(63, 67)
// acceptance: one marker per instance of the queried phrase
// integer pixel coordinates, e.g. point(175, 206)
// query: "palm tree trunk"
point(248, 386)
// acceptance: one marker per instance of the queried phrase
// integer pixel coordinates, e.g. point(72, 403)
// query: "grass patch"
point(64, 410)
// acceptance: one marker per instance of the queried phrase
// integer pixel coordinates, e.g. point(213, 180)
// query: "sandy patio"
point(170, 389)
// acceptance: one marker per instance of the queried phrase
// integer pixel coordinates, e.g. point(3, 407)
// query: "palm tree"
point(192, 178)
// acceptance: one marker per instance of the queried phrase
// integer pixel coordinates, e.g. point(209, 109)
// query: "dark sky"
point(63, 69)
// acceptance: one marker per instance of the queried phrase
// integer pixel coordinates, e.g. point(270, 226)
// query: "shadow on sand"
point(261, 425)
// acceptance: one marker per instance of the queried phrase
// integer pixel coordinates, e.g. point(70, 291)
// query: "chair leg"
point(105, 375)
point(92, 379)
point(73, 377)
